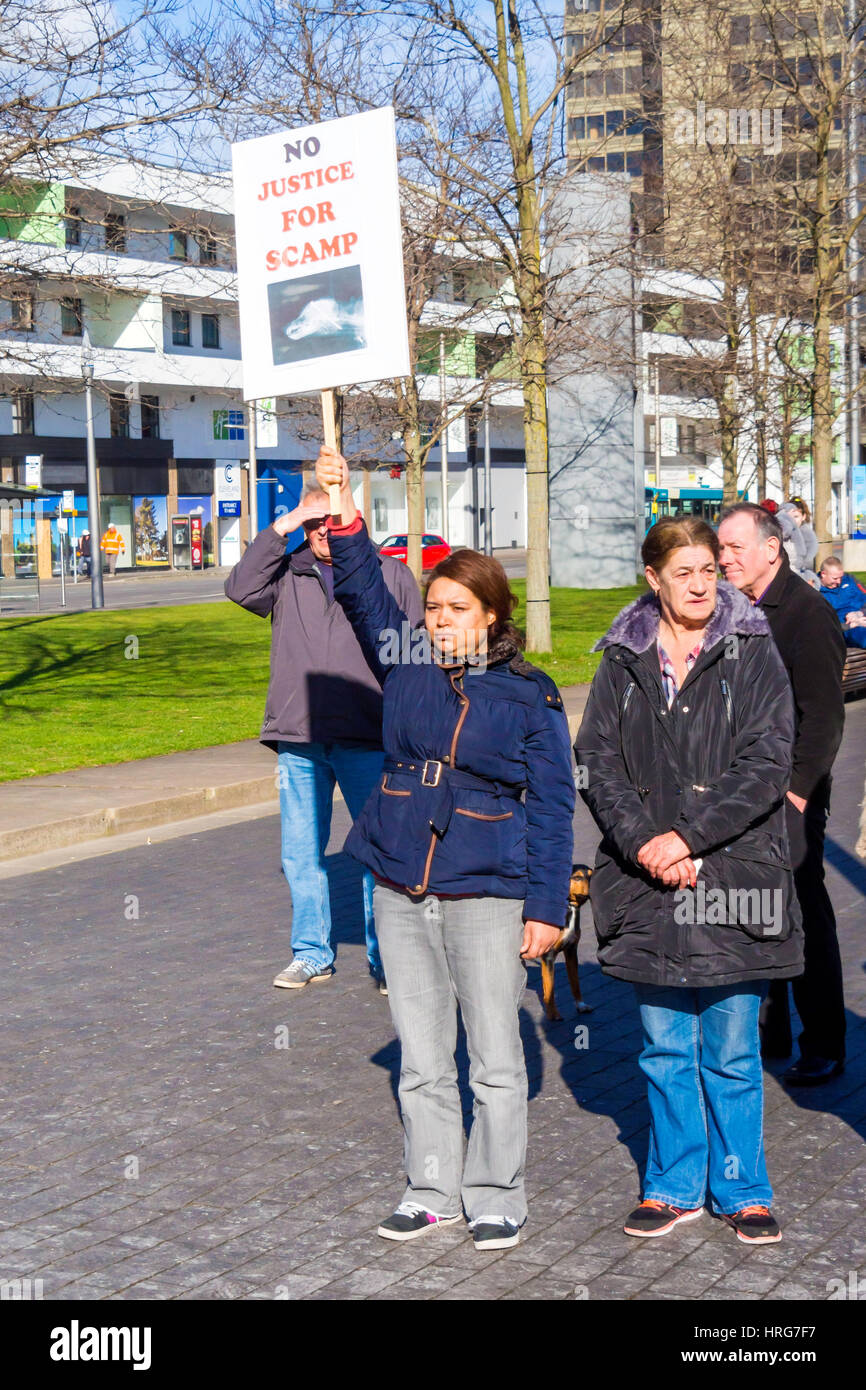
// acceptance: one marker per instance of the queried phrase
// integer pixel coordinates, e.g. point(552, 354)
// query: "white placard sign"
point(320, 259)
point(32, 470)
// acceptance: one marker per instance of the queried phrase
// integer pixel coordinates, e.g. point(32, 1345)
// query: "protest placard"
point(320, 262)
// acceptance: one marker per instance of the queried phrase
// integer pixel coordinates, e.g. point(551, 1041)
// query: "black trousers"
point(818, 991)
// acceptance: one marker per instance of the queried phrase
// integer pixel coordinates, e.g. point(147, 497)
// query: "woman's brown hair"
point(802, 507)
point(486, 579)
point(672, 533)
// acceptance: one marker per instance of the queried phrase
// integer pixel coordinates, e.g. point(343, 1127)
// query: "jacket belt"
point(439, 780)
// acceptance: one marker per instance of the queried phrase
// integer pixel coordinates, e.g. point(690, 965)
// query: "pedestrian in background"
point(112, 544)
point(471, 879)
point(810, 642)
point(686, 747)
point(323, 717)
point(85, 559)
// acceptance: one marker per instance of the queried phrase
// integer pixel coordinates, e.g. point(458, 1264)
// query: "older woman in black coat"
point(686, 745)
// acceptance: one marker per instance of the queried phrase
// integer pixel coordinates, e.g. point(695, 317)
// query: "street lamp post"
point(488, 490)
point(443, 442)
point(97, 597)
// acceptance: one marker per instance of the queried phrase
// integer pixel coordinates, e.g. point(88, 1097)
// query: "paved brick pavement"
point(159, 1141)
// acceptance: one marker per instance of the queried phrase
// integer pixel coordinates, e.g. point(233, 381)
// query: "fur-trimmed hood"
point(637, 626)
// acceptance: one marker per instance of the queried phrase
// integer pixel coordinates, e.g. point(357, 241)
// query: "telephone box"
point(181, 557)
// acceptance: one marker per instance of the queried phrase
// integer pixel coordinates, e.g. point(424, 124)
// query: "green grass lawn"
point(71, 697)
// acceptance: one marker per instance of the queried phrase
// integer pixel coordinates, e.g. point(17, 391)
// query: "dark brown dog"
point(578, 892)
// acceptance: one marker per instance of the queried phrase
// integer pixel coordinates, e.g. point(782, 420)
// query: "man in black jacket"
point(812, 648)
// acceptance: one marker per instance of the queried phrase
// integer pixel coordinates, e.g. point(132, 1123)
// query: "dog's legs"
point(548, 987)
point(573, 973)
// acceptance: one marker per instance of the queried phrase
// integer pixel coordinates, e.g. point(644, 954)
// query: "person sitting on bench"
point(847, 597)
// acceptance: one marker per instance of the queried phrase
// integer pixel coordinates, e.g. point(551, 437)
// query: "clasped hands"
point(668, 858)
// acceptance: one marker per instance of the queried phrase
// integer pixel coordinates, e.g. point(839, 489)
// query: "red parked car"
point(433, 549)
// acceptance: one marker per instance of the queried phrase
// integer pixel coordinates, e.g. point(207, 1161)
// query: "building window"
point(23, 309)
point(118, 410)
point(23, 412)
point(177, 247)
point(73, 227)
point(180, 334)
point(228, 424)
point(210, 330)
point(150, 417)
point(70, 318)
point(207, 248)
point(115, 232)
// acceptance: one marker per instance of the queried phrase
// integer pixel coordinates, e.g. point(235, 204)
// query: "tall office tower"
point(716, 112)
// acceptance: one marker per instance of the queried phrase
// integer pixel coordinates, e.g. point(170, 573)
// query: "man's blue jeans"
point(308, 773)
point(702, 1061)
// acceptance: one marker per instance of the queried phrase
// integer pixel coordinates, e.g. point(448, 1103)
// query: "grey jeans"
point(438, 954)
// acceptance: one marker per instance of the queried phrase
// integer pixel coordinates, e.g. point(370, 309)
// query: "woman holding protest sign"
point(469, 836)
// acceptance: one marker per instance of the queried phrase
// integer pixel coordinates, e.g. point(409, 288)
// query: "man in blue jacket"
point(846, 598)
point(323, 716)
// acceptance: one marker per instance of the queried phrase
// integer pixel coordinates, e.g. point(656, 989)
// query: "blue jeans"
point(702, 1061)
point(308, 773)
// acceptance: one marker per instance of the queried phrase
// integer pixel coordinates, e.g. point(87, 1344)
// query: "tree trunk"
point(822, 386)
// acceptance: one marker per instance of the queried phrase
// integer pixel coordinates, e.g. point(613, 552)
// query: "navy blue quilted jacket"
point(477, 796)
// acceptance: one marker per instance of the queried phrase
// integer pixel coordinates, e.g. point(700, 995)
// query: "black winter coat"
point(714, 767)
point(810, 642)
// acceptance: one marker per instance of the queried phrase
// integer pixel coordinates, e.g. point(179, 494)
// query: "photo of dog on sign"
point(317, 315)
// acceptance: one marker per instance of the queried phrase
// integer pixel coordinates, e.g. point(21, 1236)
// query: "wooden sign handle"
point(329, 419)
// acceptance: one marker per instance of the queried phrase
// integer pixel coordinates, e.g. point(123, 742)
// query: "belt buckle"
point(431, 762)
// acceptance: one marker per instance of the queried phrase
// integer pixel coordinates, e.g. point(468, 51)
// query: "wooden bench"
point(854, 672)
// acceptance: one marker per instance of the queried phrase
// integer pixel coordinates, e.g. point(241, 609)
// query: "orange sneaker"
point(654, 1218)
point(754, 1225)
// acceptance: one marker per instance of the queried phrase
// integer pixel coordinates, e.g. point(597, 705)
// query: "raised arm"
point(254, 581)
point(380, 624)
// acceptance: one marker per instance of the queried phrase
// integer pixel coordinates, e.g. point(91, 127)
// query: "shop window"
point(23, 309)
point(115, 232)
point(23, 412)
point(70, 318)
point(180, 328)
point(380, 514)
point(150, 417)
point(210, 330)
point(228, 425)
point(177, 245)
point(72, 223)
point(118, 412)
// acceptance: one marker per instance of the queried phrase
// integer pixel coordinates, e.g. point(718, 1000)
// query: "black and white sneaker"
point(494, 1232)
point(411, 1220)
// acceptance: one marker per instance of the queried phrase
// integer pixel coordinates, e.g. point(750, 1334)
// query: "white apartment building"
point(129, 271)
point(681, 320)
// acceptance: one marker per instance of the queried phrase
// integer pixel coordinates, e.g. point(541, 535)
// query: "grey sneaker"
point(300, 973)
point(494, 1232)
